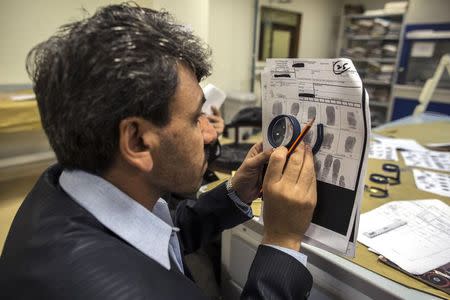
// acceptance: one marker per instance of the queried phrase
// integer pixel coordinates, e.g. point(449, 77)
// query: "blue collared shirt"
point(131, 221)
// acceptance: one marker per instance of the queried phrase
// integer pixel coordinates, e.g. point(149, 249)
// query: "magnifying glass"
point(283, 130)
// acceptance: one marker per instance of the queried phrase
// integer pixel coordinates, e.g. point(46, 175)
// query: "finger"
point(213, 119)
point(256, 148)
point(215, 111)
point(311, 193)
point(307, 174)
point(259, 159)
point(276, 165)
point(294, 164)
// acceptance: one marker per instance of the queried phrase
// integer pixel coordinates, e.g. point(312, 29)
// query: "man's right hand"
point(290, 197)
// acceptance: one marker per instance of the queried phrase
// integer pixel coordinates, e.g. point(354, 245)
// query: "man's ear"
point(136, 141)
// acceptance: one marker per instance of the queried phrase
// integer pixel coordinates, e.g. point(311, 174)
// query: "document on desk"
point(432, 182)
point(382, 151)
point(399, 144)
point(331, 91)
point(428, 159)
point(415, 235)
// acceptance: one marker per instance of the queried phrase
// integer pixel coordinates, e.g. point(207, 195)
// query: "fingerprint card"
point(427, 159)
point(381, 151)
point(330, 92)
point(432, 182)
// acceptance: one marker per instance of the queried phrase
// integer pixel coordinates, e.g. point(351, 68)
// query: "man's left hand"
point(247, 181)
point(216, 120)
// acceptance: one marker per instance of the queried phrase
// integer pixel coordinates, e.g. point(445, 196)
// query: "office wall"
point(428, 11)
point(194, 13)
point(24, 23)
point(231, 41)
point(226, 25)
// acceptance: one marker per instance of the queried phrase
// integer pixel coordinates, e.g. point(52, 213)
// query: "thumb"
point(260, 159)
point(215, 111)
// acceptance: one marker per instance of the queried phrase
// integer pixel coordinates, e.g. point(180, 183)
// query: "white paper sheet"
point(400, 144)
point(432, 182)
point(435, 160)
point(420, 245)
point(23, 97)
point(380, 150)
point(331, 91)
point(422, 49)
point(214, 97)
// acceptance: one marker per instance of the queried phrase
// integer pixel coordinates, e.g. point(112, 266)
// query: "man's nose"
point(208, 131)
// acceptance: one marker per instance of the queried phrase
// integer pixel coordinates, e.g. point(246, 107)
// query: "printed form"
point(415, 235)
point(432, 182)
point(331, 91)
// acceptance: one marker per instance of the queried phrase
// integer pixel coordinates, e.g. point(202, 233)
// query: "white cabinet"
point(334, 277)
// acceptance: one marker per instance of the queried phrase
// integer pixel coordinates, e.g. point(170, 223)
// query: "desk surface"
point(17, 116)
point(365, 269)
point(422, 133)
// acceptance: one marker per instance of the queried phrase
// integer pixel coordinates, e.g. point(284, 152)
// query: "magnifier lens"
point(282, 132)
point(376, 192)
point(379, 179)
point(390, 168)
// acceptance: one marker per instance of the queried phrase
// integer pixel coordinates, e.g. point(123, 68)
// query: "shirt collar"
point(147, 231)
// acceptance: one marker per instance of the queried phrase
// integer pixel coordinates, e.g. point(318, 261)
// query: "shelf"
point(428, 35)
point(363, 31)
point(378, 59)
point(378, 104)
point(376, 82)
point(367, 37)
point(383, 15)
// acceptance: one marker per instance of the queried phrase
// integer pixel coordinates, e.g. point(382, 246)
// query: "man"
point(120, 102)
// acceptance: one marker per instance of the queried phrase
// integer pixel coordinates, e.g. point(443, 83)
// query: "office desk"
point(24, 149)
point(336, 277)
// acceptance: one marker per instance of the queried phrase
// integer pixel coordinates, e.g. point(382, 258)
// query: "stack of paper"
point(415, 235)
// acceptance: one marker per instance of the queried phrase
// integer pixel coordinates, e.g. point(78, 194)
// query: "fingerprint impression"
point(331, 115)
point(277, 108)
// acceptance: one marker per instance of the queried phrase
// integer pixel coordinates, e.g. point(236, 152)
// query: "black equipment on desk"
point(383, 179)
point(234, 154)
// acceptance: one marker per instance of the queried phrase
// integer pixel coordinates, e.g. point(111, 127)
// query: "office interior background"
point(241, 34)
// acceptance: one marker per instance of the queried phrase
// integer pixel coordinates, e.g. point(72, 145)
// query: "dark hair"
point(93, 73)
